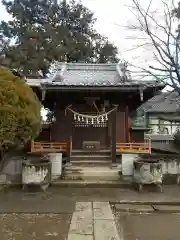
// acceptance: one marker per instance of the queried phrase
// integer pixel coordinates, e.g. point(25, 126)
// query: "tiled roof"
point(171, 117)
point(158, 137)
point(164, 147)
point(87, 74)
point(83, 74)
point(165, 102)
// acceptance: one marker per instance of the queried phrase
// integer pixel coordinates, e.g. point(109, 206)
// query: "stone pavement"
point(93, 221)
point(63, 200)
point(66, 213)
point(146, 208)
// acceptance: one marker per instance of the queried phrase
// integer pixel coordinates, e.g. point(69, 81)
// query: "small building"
point(158, 111)
point(92, 105)
point(160, 115)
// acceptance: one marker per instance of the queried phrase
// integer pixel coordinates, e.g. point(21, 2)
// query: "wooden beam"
point(91, 98)
point(127, 123)
point(43, 95)
point(113, 137)
point(69, 139)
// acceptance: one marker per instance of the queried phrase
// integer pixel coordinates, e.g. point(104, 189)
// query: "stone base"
point(134, 208)
point(167, 208)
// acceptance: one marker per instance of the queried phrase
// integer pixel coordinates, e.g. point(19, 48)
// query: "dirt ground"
point(148, 226)
point(34, 226)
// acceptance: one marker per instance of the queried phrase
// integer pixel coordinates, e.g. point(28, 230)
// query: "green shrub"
point(20, 119)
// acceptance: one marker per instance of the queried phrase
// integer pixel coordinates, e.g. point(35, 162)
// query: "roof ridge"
point(104, 70)
point(85, 64)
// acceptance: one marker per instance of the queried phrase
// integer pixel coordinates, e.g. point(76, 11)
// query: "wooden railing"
point(62, 147)
point(48, 146)
point(133, 147)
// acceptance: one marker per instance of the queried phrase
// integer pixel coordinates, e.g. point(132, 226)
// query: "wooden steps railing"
point(134, 147)
point(62, 147)
point(48, 146)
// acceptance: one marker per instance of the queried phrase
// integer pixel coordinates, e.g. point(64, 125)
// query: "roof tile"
point(83, 74)
point(163, 103)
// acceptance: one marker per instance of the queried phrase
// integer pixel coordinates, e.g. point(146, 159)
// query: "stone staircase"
point(91, 158)
point(92, 166)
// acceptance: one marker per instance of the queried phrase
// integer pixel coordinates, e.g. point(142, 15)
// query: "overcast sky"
point(111, 16)
point(108, 14)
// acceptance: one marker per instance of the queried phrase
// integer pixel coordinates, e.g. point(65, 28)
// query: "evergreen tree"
point(43, 31)
point(20, 119)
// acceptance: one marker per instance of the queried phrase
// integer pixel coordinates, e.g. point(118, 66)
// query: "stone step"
point(90, 177)
point(92, 173)
point(91, 184)
point(94, 168)
point(101, 156)
point(91, 158)
point(91, 163)
point(91, 152)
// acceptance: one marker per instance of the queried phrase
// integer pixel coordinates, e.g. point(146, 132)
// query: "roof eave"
point(170, 118)
point(98, 87)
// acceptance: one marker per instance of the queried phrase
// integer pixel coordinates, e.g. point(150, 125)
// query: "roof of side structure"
point(163, 103)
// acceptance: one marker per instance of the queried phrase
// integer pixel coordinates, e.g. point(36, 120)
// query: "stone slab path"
point(93, 221)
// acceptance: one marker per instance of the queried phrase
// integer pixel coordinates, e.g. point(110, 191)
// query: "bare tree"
point(161, 34)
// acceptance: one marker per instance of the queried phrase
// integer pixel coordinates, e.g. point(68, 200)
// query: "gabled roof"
point(164, 147)
point(163, 103)
point(159, 137)
point(175, 117)
point(86, 74)
point(95, 75)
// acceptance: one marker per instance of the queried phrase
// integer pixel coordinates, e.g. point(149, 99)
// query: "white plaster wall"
point(56, 165)
point(13, 169)
point(170, 167)
point(127, 163)
point(14, 166)
point(170, 130)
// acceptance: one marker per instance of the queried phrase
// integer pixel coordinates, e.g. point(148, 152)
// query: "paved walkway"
point(84, 213)
point(63, 200)
point(93, 221)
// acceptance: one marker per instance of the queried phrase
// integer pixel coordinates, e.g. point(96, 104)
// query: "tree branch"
point(166, 47)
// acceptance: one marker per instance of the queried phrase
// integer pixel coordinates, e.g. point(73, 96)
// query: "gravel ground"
point(148, 226)
point(34, 226)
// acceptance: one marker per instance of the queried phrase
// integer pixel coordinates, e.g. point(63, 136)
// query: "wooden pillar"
point(113, 136)
point(50, 133)
point(109, 131)
point(127, 124)
point(69, 137)
point(43, 95)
